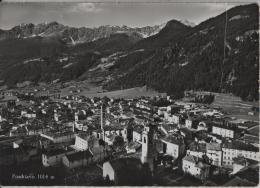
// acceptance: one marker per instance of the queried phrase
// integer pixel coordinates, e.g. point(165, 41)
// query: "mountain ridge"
point(177, 58)
point(73, 34)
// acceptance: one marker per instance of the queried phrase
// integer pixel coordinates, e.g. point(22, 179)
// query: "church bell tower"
point(148, 149)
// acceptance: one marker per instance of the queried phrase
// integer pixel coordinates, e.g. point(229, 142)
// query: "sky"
point(89, 14)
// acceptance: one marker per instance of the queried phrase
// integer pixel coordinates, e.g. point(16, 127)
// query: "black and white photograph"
point(129, 93)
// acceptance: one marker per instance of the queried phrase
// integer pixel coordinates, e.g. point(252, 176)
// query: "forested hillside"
point(194, 58)
point(177, 58)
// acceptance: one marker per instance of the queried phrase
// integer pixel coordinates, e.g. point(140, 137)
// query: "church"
point(132, 170)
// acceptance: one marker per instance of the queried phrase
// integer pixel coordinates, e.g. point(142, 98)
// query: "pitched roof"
point(173, 140)
point(79, 155)
point(196, 160)
point(250, 138)
point(238, 145)
point(169, 127)
point(244, 161)
point(195, 146)
point(57, 151)
point(127, 170)
point(123, 164)
point(250, 173)
point(214, 146)
point(190, 158)
point(253, 130)
point(237, 181)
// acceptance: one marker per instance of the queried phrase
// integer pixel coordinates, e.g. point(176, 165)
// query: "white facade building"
point(173, 146)
point(223, 131)
point(236, 148)
point(193, 166)
point(214, 153)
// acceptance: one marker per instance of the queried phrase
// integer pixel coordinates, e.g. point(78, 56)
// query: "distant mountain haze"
point(74, 35)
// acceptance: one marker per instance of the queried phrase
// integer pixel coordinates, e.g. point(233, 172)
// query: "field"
point(235, 107)
point(89, 90)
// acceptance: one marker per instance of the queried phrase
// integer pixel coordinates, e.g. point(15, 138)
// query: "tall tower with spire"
point(148, 149)
point(56, 116)
point(102, 123)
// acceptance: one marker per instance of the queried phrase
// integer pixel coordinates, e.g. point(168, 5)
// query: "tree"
point(118, 143)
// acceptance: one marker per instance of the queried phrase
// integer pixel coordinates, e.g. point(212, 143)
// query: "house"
point(85, 141)
point(223, 130)
point(214, 153)
point(173, 108)
point(162, 111)
point(78, 159)
point(137, 133)
point(123, 171)
point(173, 146)
point(59, 137)
point(196, 167)
point(251, 136)
point(215, 137)
point(54, 157)
point(37, 130)
point(239, 163)
point(237, 148)
point(196, 149)
point(192, 122)
point(81, 142)
point(168, 128)
point(175, 118)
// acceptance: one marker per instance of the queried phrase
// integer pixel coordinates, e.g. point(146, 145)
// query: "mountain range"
point(171, 57)
point(73, 35)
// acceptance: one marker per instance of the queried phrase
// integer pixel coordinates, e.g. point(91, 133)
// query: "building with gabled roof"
point(54, 157)
point(173, 146)
point(237, 148)
point(78, 159)
point(125, 171)
point(214, 153)
point(196, 167)
point(197, 149)
point(241, 163)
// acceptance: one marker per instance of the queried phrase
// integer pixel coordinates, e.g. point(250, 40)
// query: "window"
point(144, 140)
